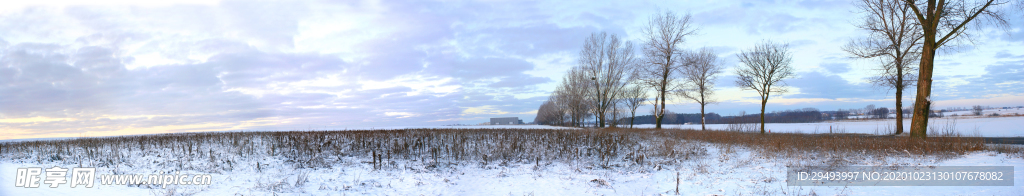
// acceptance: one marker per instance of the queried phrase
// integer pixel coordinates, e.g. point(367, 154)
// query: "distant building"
point(506, 121)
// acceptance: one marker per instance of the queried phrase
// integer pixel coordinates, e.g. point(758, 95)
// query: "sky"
point(101, 68)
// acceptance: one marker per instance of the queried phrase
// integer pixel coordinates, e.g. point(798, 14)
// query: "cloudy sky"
point(70, 68)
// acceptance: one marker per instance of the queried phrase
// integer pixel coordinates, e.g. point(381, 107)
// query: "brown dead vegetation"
point(219, 151)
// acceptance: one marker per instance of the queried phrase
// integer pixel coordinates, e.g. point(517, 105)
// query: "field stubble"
point(384, 149)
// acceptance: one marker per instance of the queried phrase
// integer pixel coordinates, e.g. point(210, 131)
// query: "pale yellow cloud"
point(13, 131)
point(482, 110)
point(36, 119)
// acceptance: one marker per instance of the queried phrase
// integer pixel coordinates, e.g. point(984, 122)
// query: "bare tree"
point(573, 93)
point(618, 109)
point(842, 114)
point(664, 37)
point(943, 22)
point(894, 39)
point(880, 113)
point(977, 109)
point(701, 70)
point(550, 112)
point(765, 67)
point(633, 97)
point(542, 118)
point(561, 107)
point(608, 62)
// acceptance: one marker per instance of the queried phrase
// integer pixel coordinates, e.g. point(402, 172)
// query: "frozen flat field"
point(245, 167)
point(736, 172)
point(966, 126)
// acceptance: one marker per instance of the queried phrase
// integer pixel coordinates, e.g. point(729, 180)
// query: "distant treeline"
point(789, 116)
point(679, 118)
point(806, 115)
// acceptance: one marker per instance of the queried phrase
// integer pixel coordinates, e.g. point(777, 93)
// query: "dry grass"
point(221, 151)
point(1009, 149)
point(788, 142)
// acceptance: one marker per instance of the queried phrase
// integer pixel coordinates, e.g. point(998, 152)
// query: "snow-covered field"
point(739, 172)
point(966, 126)
point(708, 169)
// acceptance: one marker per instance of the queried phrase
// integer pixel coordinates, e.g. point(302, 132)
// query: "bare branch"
point(764, 67)
point(633, 97)
point(701, 70)
point(608, 62)
point(895, 40)
point(664, 34)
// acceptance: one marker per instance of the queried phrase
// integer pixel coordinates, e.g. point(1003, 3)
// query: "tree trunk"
point(601, 107)
point(660, 114)
point(922, 105)
point(764, 102)
point(899, 104)
point(702, 128)
point(657, 119)
point(664, 84)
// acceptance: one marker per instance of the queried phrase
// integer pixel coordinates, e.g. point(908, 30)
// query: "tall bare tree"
point(894, 39)
point(943, 22)
point(664, 36)
point(563, 113)
point(550, 113)
point(617, 110)
point(633, 97)
point(562, 102)
point(764, 67)
point(699, 75)
point(608, 62)
point(573, 93)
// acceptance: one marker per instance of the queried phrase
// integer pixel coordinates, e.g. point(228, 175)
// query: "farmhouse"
point(506, 121)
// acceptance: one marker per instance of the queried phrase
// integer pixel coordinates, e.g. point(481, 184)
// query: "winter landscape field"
point(502, 160)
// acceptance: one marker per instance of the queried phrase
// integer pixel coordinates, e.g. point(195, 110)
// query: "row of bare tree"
point(596, 87)
point(610, 80)
point(901, 33)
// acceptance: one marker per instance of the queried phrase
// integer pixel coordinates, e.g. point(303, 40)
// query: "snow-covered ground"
point(723, 171)
point(966, 126)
